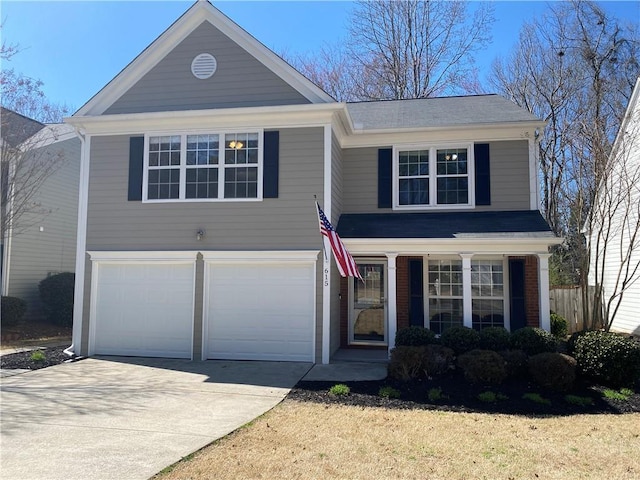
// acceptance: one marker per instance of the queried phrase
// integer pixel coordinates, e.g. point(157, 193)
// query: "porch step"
point(360, 355)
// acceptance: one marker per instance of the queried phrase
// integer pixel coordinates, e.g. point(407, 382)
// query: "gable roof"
point(437, 112)
point(504, 224)
point(15, 128)
point(199, 12)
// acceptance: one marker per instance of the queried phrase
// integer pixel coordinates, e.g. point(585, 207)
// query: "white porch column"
point(392, 310)
point(543, 290)
point(467, 307)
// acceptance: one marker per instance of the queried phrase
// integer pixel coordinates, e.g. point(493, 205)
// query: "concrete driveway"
point(125, 418)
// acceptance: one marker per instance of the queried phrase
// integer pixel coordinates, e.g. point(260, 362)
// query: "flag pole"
point(324, 250)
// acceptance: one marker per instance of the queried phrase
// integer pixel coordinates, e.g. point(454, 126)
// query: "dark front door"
point(416, 293)
point(518, 312)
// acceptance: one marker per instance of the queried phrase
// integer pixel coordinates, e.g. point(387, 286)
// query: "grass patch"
point(38, 356)
point(313, 440)
point(340, 389)
point(491, 397)
point(389, 392)
point(622, 394)
point(578, 400)
point(536, 398)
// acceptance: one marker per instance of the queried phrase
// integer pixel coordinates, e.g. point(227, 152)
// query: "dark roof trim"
point(509, 224)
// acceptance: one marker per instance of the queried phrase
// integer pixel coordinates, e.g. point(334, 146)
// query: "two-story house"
point(198, 233)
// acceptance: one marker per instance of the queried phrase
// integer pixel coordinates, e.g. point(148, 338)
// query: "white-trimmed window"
point(487, 293)
point(433, 177)
point(203, 167)
point(445, 294)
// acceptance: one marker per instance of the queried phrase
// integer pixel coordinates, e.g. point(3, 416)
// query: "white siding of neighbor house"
point(36, 254)
point(239, 81)
point(288, 222)
point(627, 318)
point(509, 164)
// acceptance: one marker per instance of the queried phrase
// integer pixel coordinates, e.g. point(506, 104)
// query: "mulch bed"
point(460, 396)
point(23, 360)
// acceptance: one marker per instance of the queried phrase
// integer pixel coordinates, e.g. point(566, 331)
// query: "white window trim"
point(506, 305)
point(220, 166)
point(433, 177)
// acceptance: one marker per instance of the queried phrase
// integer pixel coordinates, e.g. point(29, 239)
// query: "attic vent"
point(204, 66)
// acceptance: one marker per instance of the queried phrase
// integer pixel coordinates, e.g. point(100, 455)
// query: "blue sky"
point(77, 47)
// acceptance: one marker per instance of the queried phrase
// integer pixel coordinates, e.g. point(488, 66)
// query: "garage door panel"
point(144, 310)
point(260, 312)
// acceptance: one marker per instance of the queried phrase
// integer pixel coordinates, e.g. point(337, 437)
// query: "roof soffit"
point(201, 11)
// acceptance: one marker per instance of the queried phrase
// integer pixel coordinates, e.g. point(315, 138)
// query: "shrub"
point(388, 392)
point(13, 309)
point(533, 341)
point(56, 293)
point(437, 360)
point(559, 326)
point(495, 338)
point(414, 336)
point(552, 370)
point(491, 397)
point(483, 366)
point(460, 339)
point(516, 362)
point(579, 401)
point(536, 398)
point(406, 363)
point(38, 356)
point(435, 394)
point(608, 357)
point(340, 389)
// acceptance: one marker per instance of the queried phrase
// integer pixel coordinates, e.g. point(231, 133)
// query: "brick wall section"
point(532, 302)
point(402, 291)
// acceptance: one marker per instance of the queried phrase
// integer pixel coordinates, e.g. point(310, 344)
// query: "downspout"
point(81, 240)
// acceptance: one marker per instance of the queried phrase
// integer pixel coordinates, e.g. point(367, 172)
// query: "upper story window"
point(432, 177)
point(198, 167)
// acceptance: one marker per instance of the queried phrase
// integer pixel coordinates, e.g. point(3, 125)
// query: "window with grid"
point(413, 175)
point(199, 167)
point(432, 177)
point(452, 177)
point(241, 165)
point(487, 293)
point(445, 294)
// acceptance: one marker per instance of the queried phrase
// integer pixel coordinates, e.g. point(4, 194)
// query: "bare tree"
point(24, 165)
point(573, 68)
point(414, 48)
point(613, 223)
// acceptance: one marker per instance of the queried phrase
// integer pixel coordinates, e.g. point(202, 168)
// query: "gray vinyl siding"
point(239, 81)
point(285, 223)
point(35, 254)
point(509, 178)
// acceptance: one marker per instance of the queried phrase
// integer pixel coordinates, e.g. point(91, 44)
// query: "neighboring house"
point(41, 240)
point(615, 234)
point(198, 233)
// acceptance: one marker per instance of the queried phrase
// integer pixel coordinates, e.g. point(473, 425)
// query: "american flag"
point(346, 264)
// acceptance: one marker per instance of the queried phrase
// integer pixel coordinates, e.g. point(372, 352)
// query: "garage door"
point(143, 309)
point(260, 311)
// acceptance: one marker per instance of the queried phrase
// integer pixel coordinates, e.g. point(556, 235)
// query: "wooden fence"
point(567, 302)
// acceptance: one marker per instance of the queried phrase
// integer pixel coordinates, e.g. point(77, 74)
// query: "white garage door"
point(260, 311)
point(143, 309)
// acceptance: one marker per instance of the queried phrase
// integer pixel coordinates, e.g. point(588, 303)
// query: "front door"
point(368, 318)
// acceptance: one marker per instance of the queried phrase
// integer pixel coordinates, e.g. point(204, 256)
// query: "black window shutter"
point(385, 160)
point(136, 161)
point(483, 176)
point(271, 164)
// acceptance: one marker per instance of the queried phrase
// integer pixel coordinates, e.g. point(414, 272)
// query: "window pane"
point(241, 182)
point(414, 191)
point(453, 190)
point(202, 182)
point(487, 293)
point(163, 183)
